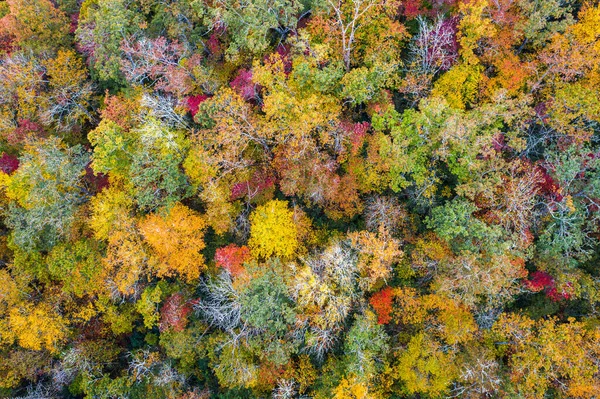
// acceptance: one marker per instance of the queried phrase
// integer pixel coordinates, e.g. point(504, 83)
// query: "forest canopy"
point(294, 199)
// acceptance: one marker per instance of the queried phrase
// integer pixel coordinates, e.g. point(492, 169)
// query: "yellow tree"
point(37, 327)
point(108, 210)
point(273, 231)
point(69, 91)
point(546, 355)
point(126, 259)
point(425, 368)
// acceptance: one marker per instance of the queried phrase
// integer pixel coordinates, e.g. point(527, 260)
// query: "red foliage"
point(97, 181)
point(193, 103)
point(412, 9)
point(244, 85)
point(74, 22)
point(356, 133)
point(6, 43)
point(232, 258)
point(8, 163)
point(269, 373)
point(382, 303)
point(566, 291)
point(174, 312)
point(284, 53)
point(499, 142)
point(26, 129)
point(304, 21)
point(548, 186)
point(439, 45)
point(542, 281)
point(539, 281)
point(541, 110)
point(214, 45)
point(258, 183)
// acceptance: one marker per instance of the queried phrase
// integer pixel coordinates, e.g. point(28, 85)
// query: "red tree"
point(232, 258)
point(382, 303)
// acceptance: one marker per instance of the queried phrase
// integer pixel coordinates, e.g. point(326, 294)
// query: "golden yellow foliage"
point(125, 259)
point(37, 327)
point(352, 389)
point(473, 26)
point(108, 208)
point(273, 231)
point(176, 240)
point(459, 86)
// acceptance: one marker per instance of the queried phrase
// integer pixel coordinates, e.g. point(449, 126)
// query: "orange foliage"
point(382, 303)
point(176, 240)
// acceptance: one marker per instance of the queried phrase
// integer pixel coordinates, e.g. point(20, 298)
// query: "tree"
point(365, 347)
point(459, 86)
point(325, 289)
point(250, 24)
point(273, 231)
point(435, 48)
point(109, 209)
point(37, 327)
point(70, 92)
point(546, 352)
point(37, 25)
point(147, 159)
point(350, 16)
point(381, 302)
point(77, 265)
point(377, 254)
point(46, 192)
point(100, 31)
point(384, 212)
point(126, 260)
point(157, 62)
point(176, 239)
point(22, 78)
point(424, 368)
point(265, 301)
point(232, 258)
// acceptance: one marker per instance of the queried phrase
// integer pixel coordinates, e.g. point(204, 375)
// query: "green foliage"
point(365, 347)
point(455, 223)
point(78, 265)
point(147, 305)
point(265, 302)
point(102, 26)
point(147, 157)
point(252, 22)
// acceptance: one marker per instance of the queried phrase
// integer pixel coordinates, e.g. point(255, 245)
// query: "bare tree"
point(285, 389)
point(221, 305)
point(350, 16)
point(386, 212)
point(435, 48)
point(164, 107)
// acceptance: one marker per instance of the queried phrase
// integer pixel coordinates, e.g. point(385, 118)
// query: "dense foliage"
point(300, 199)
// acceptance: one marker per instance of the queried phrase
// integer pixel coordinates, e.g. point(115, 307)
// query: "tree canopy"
point(297, 199)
